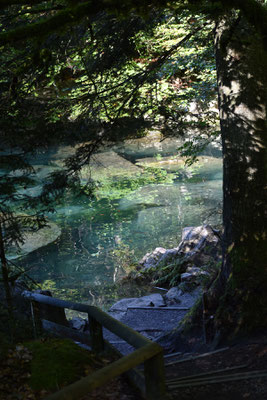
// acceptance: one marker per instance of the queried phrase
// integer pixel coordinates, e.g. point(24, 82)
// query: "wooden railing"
point(151, 383)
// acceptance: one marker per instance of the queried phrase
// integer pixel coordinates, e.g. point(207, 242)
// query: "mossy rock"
point(58, 362)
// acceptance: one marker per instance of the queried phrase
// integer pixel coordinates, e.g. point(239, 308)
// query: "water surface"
point(101, 239)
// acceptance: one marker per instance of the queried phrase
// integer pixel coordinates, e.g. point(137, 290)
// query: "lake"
point(144, 198)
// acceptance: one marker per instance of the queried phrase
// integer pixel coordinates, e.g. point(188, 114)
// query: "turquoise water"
point(100, 239)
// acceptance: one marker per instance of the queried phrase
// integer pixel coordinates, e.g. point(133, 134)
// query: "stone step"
point(151, 322)
point(153, 319)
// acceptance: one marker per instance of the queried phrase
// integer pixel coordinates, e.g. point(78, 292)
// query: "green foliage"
point(108, 79)
point(170, 274)
point(192, 148)
point(120, 187)
point(49, 284)
point(124, 257)
point(158, 157)
point(128, 70)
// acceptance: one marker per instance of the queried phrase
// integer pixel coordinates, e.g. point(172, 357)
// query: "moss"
point(56, 362)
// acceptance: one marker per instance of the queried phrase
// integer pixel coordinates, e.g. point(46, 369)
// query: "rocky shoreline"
point(156, 314)
point(194, 263)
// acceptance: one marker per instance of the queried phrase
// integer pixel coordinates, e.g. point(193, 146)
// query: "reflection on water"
point(101, 239)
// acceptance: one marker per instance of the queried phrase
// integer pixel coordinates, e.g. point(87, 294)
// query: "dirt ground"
point(247, 359)
point(231, 361)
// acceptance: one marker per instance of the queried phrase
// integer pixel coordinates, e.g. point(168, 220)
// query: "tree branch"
point(7, 3)
point(47, 25)
point(254, 11)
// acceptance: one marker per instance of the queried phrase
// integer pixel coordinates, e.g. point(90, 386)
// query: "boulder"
point(177, 295)
point(78, 323)
point(199, 245)
point(173, 296)
point(193, 274)
point(150, 260)
point(34, 240)
point(152, 300)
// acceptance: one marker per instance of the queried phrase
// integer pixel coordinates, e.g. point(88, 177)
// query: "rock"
point(108, 164)
point(152, 300)
point(34, 240)
point(192, 274)
point(169, 254)
point(150, 260)
point(186, 276)
point(188, 299)
point(78, 323)
point(117, 314)
point(199, 245)
point(177, 295)
point(173, 295)
point(194, 270)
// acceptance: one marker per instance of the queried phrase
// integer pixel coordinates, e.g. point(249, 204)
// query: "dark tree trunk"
point(5, 276)
point(242, 89)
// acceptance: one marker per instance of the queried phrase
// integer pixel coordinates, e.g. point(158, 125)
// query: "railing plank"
point(132, 337)
point(85, 385)
point(70, 333)
point(134, 375)
point(147, 352)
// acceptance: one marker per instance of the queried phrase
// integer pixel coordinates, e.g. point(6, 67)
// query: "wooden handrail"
point(148, 352)
point(100, 377)
point(132, 337)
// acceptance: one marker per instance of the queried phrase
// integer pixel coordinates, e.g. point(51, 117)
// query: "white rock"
point(151, 259)
point(152, 300)
point(195, 238)
point(199, 244)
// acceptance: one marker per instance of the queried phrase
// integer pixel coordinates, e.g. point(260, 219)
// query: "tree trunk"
point(242, 89)
point(5, 274)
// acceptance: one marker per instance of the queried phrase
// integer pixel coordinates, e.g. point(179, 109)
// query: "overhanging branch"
point(254, 11)
point(50, 24)
point(6, 3)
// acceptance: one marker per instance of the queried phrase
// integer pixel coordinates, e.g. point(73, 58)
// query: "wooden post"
point(96, 332)
point(51, 312)
point(36, 319)
point(155, 377)
point(33, 321)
